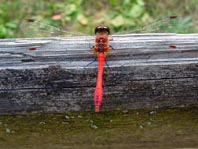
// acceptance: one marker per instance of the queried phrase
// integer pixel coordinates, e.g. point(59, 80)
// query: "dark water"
point(157, 128)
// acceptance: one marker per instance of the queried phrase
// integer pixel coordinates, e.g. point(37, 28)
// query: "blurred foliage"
point(84, 15)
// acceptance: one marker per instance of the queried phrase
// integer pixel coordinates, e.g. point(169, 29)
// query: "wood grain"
point(144, 72)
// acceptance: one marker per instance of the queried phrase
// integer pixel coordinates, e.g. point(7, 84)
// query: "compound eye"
point(96, 29)
point(107, 29)
point(102, 28)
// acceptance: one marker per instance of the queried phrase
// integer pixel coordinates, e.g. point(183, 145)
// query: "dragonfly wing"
point(32, 28)
point(73, 49)
point(160, 39)
point(71, 53)
point(171, 24)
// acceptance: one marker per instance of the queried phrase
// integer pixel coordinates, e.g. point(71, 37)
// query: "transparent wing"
point(74, 48)
point(32, 28)
point(161, 43)
point(171, 24)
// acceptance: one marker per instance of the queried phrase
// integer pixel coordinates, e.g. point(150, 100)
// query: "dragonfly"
point(102, 44)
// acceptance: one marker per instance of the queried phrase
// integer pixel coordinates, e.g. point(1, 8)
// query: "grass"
point(84, 15)
point(176, 127)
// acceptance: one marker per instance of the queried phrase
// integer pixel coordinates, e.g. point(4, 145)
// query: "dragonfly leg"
point(91, 62)
point(91, 46)
point(110, 39)
point(107, 65)
point(112, 48)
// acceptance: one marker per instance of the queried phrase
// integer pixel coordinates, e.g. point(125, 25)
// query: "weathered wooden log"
point(145, 70)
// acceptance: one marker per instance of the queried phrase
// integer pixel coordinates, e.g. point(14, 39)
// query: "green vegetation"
point(159, 128)
point(84, 15)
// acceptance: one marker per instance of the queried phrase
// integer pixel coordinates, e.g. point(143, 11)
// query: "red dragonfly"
point(101, 49)
point(102, 45)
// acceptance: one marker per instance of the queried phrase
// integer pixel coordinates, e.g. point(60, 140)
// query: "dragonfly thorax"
point(101, 44)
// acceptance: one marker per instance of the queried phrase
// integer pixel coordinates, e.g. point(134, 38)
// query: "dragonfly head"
point(102, 28)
